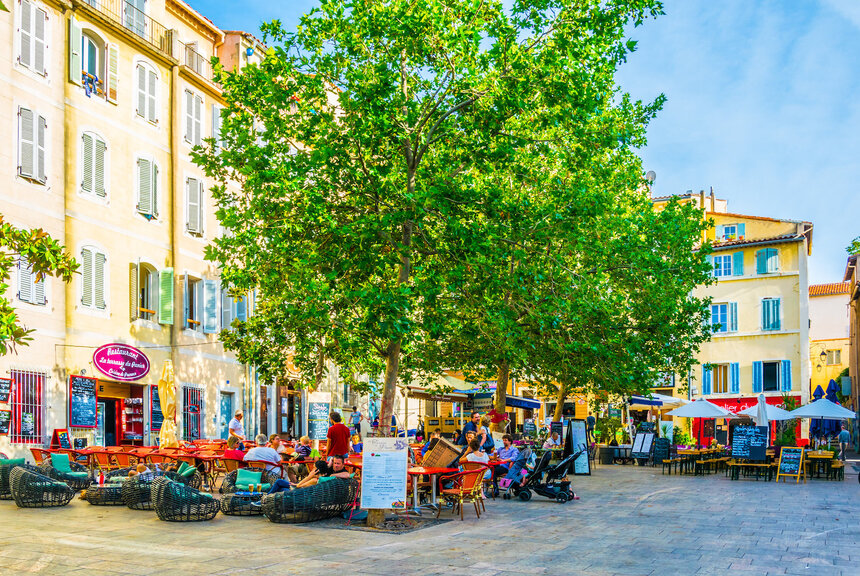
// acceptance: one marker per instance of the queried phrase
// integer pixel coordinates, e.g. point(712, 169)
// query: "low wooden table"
point(105, 494)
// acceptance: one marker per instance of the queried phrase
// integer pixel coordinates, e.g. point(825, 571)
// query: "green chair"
point(243, 478)
point(59, 467)
point(5, 468)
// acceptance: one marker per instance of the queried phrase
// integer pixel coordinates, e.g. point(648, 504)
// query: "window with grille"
point(28, 388)
point(192, 413)
point(834, 357)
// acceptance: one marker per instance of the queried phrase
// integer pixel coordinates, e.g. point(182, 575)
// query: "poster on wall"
point(383, 474)
point(319, 406)
point(5, 421)
point(5, 389)
point(83, 400)
point(28, 424)
point(156, 417)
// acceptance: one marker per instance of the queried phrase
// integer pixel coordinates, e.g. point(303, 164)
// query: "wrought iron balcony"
point(128, 16)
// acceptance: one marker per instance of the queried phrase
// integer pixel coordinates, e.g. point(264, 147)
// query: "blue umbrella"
point(832, 427)
point(815, 425)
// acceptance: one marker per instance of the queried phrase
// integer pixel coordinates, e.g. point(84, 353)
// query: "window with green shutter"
point(165, 296)
point(770, 314)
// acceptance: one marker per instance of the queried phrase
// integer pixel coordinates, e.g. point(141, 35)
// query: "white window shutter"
point(141, 91)
point(38, 291)
point(88, 159)
point(226, 310)
point(210, 306)
point(201, 222)
point(112, 83)
point(41, 148)
point(87, 277)
point(154, 180)
point(26, 56)
point(75, 56)
point(100, 167)
point(99, 285)
point(216, 126)
point(26, 143)
point(152, 93)
point(198, 120)
point(25, 282)
point(189, 116)
point(144, 186)
point(191, 204)
point(133, 291)
point(40, 38)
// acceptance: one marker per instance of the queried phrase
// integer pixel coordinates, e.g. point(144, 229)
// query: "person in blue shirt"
point(437, 433)
point(472, 426)
point(505, 455)
point(844, 440)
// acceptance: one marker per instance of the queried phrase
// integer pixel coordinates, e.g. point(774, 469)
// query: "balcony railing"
point(198, 63)
point(128, 16)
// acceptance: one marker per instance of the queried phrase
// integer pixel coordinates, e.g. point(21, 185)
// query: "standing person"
point(844, 440)
point(338, 437)
point(470, 427)
point(235, 428)
point(356, 418)
point(590, 422)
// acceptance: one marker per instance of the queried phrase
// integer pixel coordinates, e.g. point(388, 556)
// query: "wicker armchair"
point(106, 495)
point(6, 467)
point(137, 491)
point(228, 485)
point(59, 467)
point(34, 490)
point(318, 502)
point(175, 502)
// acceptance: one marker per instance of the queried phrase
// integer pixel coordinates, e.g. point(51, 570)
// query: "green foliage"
point(46, 258)
point(854, 247)
point(681, 438)
point(786, 430)
point(606, 428)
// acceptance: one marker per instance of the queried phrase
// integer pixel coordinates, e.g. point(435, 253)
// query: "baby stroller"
point(553, 486)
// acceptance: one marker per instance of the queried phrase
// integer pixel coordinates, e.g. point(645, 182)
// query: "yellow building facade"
point(759, 310)
point(100, 106)
point(829, 348)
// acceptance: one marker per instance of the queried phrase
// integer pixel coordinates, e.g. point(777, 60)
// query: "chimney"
point(702, 200)
point(713, 201)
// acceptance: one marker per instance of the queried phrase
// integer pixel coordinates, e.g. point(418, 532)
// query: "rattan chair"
point(137, 491)
point(318, 502)
point(35, 490)
point(105, 495)
point(77, 476)
point(6, 467)
point(228, 485)
point(175, 502)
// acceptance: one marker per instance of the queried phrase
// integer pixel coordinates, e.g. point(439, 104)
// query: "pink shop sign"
point(121, 362)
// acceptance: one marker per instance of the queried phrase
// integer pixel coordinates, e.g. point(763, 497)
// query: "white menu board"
point(383, 473)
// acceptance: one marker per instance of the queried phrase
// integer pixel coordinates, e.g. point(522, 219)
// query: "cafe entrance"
point(289, 410)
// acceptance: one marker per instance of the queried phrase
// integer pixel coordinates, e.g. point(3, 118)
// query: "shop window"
point(192, 413)
point(721, 378)
point(28, 388)
point(770, 376)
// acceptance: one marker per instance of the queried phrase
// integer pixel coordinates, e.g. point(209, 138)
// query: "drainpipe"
point(173, 134)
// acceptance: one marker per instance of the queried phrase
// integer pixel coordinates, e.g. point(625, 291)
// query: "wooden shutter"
point(765, 314)
point(87, 277)
point(154, 181)
point(775, 320)
point(735, 378)
point(88, 159)
point(25, 58)
point(192, 205)
point(112, 72)
point(189, 116)
point(733, 316)
point(144, 186)
point(198, 120)
point(198, 305)
point(772, 258)
point(141, 91)
point(99, 276)
point(201, 218)
point(186, 302)
point(210, 306)
point(761, 262)
point(742, 231)
point(100, 167)
point(26, 143)
point(25, 281)
point(40, 38)
point(758, 376)
point(41, 149)
point(738, 264)
point(152, 92)
point(226, 310)
point(165, 296)
point(75, 58)
point(706, 380)
point(785, 381)
point(38, 290)
point(133, 291)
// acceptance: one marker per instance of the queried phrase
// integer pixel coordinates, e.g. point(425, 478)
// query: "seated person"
point(356, 444)
point(437, 433)
point(142, 471)
point(321, 470)
point(275, 442)
point(553, 442)
point(475, 454)
point(264, 453)
point(232, 450)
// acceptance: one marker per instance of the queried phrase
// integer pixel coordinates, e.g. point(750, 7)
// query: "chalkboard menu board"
point(319, 406)
point(80, 443)
point(790, 462)
point(642, 445)
point(557, 427)
point(661, 449)
point(155, 415)
point(83, 397)
point(750, 443)
point(574, 441)
point(5, 389)
point(5, 421)
point(529, 428)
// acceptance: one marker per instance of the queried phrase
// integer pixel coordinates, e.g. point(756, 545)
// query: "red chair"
point(103, 460)
point(40, 454)
point(466, 488)
point(125, 459)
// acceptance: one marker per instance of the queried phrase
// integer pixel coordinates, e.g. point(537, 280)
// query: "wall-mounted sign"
point(5, 389)
point(83, 400)
point(121, 362)
point(5, 421)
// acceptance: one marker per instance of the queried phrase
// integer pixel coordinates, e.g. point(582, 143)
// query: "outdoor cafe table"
point(819, 462)
point(416, 471)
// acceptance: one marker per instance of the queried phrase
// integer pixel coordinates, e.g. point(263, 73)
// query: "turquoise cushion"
point(183, 466)
point(247, 487)
point(11, 463)
point(78, 475)
point(188, 472)
point(244, 476)
point(60, 462)
point(206, 494)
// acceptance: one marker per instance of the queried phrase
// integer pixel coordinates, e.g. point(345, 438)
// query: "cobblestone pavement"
point(629, 521)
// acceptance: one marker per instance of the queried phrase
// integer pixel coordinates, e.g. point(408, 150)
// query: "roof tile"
point(831, 289)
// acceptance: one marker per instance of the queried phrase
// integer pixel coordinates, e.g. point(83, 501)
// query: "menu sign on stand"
point(60, 439)
point(790, 463)
point(319, 406)
point(83, 401)
point(574, 441)
point(383, 473)
point(529, 428)
point(558, 428)
point(750, 443)
point(5, 421)
point(5, 389)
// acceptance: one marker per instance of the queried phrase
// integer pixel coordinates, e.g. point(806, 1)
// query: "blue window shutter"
point(735, 377)
point(711, 264)
point(706, 380)
point(742, 228)
point(765, 314)
point(738, 264)
point(772, 260)
point(786, 375)
point(210, 306)
point(720, 233)
point(758, 376)
point(775, 321)
point(733, 316)
point(242, 309)
point(761, 262)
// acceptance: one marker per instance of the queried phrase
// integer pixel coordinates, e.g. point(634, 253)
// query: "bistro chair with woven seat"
point(59, 467)
point(32, 489)
point(125, 459)
point(189, 475)
point(5, 469)
point(484, 481)
point(466, 488)
point(329, 498)
point(39, 455)
point(104, 460)
point(175, 502)
point(243, 478)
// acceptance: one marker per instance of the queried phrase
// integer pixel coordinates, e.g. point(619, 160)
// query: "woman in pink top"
point(231, 451)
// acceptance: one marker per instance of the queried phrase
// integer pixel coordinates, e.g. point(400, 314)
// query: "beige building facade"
point(828, 333)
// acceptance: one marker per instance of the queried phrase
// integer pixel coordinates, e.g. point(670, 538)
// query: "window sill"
point(144, 323)
point(95, 312)
point(194, 333)
point(759, 333)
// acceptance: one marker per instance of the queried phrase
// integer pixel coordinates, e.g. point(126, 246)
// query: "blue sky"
point(763, 105)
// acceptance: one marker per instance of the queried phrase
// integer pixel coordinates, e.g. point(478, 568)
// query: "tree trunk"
point(559, 403)
point(500, 401)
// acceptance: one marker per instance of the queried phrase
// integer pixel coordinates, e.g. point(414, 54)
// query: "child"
point(356, 444)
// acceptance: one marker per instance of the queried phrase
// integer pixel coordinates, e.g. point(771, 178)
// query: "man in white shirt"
point(235, 428)
point(263, 453)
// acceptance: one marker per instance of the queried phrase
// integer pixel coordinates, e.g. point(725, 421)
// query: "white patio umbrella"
point(772, 413)
point(655, 400)
point(822, 408)
point(701, 409)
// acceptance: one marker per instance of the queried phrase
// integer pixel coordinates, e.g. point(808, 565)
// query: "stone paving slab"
point(630, 521)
